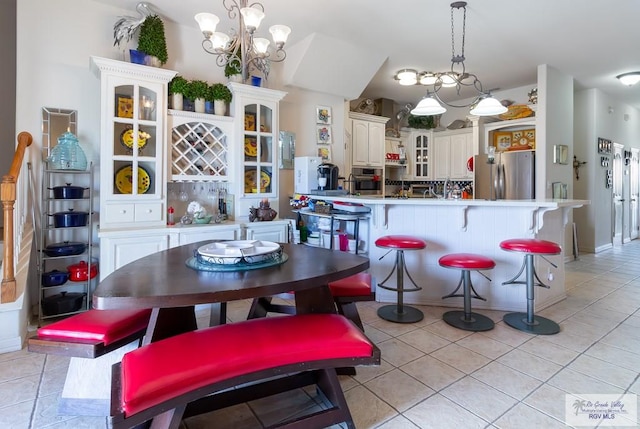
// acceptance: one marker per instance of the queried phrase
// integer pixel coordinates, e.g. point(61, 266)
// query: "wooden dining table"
point(163, 281)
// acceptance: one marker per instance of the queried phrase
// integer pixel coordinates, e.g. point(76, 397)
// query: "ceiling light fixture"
point(629, 79)
point(240, 47)
point(482, 105)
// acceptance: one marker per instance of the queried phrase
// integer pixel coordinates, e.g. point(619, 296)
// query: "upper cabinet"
point(256, 126)
point(368, 140)
point(200, 146)
point(133, 155)
point(452, 150)
point(421, 149)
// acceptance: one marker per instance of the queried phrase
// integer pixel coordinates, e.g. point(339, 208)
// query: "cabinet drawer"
point(117, 213)
point(148, 212)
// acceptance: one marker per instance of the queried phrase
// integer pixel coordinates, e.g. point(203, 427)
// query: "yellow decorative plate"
point(250, 181)
point(124, 179)
point(250, 146)
point(126, 138)
point(516, 111)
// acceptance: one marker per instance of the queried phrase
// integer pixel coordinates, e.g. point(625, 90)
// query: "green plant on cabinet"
point(196, 89)
point(178, 85)
point(152, 39)
point(219, 91)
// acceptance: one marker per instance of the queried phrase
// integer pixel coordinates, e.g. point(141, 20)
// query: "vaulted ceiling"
point(591, 40)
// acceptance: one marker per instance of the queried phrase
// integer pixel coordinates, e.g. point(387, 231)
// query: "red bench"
point(346, 292)
point(196, 372)
point(90, 334)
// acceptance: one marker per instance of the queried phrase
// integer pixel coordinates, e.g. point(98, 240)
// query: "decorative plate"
point(237, 251)
point(517, 111)
point(250, 180)
point(126, 138)
point(196, 264)
point(250, 146)
point(124, 180)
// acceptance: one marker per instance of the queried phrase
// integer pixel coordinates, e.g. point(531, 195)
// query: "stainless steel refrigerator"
point(510, 177)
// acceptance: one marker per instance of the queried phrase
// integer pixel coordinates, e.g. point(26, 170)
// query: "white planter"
point(199, 105)
point(176, 101)
point(235, 78)
point(219, 107)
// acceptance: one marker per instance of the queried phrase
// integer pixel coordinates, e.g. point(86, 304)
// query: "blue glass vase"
point(67, 155)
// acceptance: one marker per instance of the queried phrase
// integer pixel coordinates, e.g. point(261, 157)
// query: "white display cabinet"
point(255, 110)
point(133, 153)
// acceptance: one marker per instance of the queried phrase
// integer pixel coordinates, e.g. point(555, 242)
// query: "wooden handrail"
point(8, 198)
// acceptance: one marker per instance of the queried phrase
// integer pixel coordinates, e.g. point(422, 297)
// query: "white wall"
point(599, 115)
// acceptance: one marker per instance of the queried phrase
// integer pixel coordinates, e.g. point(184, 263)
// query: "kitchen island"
point(468, 226)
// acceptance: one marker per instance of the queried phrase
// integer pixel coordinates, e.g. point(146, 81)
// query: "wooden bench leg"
point(350, 311)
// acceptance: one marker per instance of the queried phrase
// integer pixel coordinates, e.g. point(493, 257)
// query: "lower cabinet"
point(223, 232)
point(118, 248)
point(277, 231)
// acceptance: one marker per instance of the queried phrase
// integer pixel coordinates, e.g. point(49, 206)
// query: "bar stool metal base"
point(475, 322)
point(405, 315)
point(541, 325)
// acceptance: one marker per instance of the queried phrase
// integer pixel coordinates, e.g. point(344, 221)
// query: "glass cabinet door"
point(421, 156)
point(136, 149)
point(258, 161)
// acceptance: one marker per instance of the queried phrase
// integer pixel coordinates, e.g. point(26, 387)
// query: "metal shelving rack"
point(49, 234)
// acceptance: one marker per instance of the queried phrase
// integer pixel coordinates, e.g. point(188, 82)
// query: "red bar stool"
point(529, 322)
point(467, 262)
point(400, 313)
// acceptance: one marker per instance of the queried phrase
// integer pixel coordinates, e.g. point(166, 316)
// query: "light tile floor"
point(432, 375)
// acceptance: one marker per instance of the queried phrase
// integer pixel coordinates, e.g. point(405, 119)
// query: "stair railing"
point(8, 195)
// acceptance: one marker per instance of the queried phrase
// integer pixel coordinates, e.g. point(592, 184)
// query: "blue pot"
point(137, 57)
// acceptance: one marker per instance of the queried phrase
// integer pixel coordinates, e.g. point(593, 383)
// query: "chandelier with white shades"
point(482, 105)
point(241, 47)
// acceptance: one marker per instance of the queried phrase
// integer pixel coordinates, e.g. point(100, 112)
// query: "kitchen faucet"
point(444, 190)
point(350, 179)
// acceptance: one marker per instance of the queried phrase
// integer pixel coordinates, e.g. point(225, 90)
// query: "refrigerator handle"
point(501, 189)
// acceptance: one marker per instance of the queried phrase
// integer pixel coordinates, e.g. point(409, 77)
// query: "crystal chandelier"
point(482, 105)
point(240, 47)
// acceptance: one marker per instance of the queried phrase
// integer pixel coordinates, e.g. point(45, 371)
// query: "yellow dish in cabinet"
point(124, 180)
point(250, 181)
point(126, 138)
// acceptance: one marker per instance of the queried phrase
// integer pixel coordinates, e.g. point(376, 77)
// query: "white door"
point(634, 187)
point(618, 200)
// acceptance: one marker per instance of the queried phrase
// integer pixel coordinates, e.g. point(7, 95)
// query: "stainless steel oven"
point(367, 181)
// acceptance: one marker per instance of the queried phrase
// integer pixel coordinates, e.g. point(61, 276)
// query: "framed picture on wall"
point(324, 152)
point(323, 115)
point(323, 134)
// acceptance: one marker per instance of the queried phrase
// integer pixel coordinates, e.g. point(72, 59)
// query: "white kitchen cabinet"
point(451, 152)
point(276, 231)
point(368, 140)
point(219, 232)
point(201, 148)
point(119, 248)
point(255, 110)
point(421, 154)
point(133, 153)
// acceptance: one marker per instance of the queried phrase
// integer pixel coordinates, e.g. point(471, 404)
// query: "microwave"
point(367, 181)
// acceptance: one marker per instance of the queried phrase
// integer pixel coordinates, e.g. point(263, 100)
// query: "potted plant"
point(422, 122)
point(233, 68)
point(177, 88)
point(220, 95)
point(152, 40)
point(197, 91)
